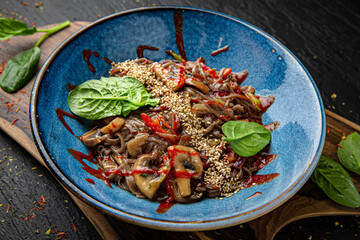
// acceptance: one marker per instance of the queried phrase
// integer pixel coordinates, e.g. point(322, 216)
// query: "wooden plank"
point(309, 202)
point(21, 132)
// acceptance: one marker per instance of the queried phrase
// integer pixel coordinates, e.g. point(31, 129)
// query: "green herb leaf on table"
point(97, 99)
point(349, 152)
point(20, 69)
point(11, 27)
point(246, 138)
point(332, 178)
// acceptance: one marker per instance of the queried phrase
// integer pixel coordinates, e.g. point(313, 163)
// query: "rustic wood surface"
point(308, 202)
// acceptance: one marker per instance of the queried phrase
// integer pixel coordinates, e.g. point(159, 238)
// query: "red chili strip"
point(179, 26)
point(153, 124)
point(162, 119)
point(220, 50)
point(227, 72)
point(140, 50)
point(75, 229)
point(211, 72)
point(175, 121)
point(13, 122)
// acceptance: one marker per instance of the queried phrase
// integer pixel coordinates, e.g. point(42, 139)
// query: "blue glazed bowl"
point(273, 69)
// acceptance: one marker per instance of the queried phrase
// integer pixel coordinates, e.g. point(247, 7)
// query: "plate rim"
point(164, 224)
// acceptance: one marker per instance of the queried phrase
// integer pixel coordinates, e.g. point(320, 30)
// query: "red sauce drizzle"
point(107, 60)
point(60, 114)
point(96, 54)
point(220, 50)
point(179, 26)
point(259, 179)
point(173, 152)
point(98, 173)
point(266, 102)
point(140, 50)
point(90, 180)
point(185, 174)
point(254, 195)
point(70, 87)
point(86, 55)
point(164, 206)
point(264, 160)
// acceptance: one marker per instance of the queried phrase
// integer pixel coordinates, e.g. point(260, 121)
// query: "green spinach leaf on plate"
point(246, 138)
point(97, 99)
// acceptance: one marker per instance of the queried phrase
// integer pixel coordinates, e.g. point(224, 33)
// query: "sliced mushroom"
point(113, 126)
point(91, 138)
point(201, 107)
point(148, 183)
point(135, 145)
point(198, 84)
point(185, 159)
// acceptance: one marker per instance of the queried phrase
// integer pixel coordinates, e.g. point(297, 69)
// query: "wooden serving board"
point(308, 202)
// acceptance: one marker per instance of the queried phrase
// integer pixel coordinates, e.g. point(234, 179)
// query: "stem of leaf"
point(51, 31)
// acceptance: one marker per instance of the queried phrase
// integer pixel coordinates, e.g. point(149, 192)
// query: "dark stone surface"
point(324, 35)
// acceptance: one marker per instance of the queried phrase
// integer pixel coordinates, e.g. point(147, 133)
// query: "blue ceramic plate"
point(273, 70)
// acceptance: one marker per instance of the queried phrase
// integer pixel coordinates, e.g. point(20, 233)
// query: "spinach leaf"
point(349, 152)
point(11, 27)
point(332, 178)
point(246, 138)
point(19, 70)
point(97, 99)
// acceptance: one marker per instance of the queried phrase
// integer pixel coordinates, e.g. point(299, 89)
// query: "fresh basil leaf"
point(332, 178)
point(20, 69)
point(11, 27)
point(97, 99)
point(349, 152)
point(246, 138)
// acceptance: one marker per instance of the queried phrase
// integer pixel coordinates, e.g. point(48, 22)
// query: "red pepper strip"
point(180, 81)
point(153, 124)
point(185, 173)
point(162, 119)
point(123, 73)
point(211, 72)
point(175, 122)
point(156, 127)
point(227, 72)
point(231, 156)
point(169, 188)
point(209, 102)
point(115, 71)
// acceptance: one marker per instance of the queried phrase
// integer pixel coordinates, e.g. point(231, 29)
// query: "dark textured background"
point(324, 35)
